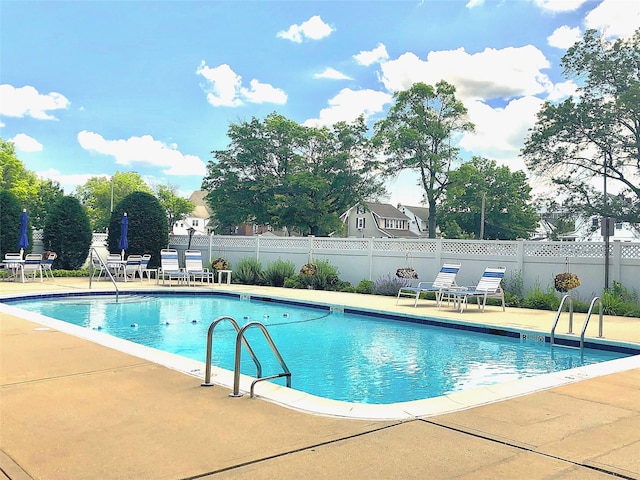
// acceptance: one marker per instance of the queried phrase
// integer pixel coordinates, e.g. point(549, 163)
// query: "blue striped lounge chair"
point(445, 280)
point(487, 287)
point(170, 268)
point(195, 269)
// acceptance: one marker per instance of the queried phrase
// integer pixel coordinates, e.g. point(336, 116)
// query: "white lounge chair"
point(170, 268)
point(445, 280)
point(13, 264)
point(132, 267)
point(47, 264)
point(194, 268)
point(32, 266)
point(487, 287)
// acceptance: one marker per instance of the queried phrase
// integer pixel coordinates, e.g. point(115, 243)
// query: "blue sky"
point(88, 88)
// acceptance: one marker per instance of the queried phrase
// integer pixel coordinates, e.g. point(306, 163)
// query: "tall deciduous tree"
point(480, 191)
point(176, 207)
point(279, 173)
point(14, 177)
point(417, 134)
point(40, 205)
point(100, 194)
point(581, 141)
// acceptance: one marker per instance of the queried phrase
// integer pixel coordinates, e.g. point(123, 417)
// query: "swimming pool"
point(373, 359)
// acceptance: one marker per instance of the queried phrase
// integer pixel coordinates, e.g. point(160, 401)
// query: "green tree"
point(416, 135)
point(68, 233)
point(14, 176)
point(176, 208)
point(100, 194)
point(279, 173)
point(10, 212)
point(479, 190)
point(597, 134)
point(148, 230)
point(39, 206)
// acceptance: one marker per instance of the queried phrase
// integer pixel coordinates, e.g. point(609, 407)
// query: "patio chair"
point(194, 268)
point(132, 267)
point(97, 267)
point(115, 264)
point(47, 264)
point(170, 268)
point(487, 287)
point(445, 279)
point(144, 267)
point(13, 265)
point(32, 266)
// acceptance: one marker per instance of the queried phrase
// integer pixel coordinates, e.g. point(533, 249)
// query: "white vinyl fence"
point(531, 263)
point(534, 263)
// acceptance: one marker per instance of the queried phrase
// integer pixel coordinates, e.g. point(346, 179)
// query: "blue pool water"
point(342, 356)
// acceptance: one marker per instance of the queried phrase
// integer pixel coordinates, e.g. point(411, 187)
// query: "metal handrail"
point(207, 374)
point(555, 323)
point(586, 320)
point(236, 370)
point(106, 269)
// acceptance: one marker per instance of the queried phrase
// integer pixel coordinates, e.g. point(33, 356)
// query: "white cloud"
point(506, 73)
point(144, 150)
point(28, 102)
point(224, 88)
point(26, 143)
point(615, 18)
point(68, 182)
point(474, 3)
point(350, 104)
point(312, 29)
point(377, 55)
point(332, 74)
point(263, 93)
point(564, 37)
point(556, 6)
point(500, 132)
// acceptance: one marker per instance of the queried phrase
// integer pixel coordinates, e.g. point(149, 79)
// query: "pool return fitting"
point(240, 340)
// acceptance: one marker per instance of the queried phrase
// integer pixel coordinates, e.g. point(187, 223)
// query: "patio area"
point(74, 409)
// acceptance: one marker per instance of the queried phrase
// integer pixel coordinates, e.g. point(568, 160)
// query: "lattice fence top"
point(630, 250)
point(289, 243)
point(493, 248)
point(564, 249)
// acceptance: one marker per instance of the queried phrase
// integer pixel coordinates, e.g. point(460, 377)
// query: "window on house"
point(595, 222)
point(618, 226)
point(195, 222)
point(360, 210)
point(360, 222)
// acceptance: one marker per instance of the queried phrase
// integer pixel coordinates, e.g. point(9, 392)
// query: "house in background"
point(418, 219)
point(380, 220)
point(198, 219)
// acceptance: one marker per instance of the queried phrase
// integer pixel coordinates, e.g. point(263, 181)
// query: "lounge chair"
point(97, 267)
point(194, 267)
point(487, 287)
point(32, 266)
point(47, 264)
point(144, 268)
point(132, 267)
point(445, 280)
point(115, 264)
point(170, 268)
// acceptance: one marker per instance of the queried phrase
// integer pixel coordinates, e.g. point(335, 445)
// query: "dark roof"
point(385, 210)
point(421, 212)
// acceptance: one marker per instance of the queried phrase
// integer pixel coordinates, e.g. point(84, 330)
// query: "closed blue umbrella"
point(123, 244)
point(23, 241)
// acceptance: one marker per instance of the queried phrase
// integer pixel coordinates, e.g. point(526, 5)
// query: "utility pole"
point(484, 200)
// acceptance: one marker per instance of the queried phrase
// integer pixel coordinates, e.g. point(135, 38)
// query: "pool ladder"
point(586, 320)
point(241, 340)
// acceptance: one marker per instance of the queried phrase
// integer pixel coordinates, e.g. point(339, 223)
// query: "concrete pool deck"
point(74, 409)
